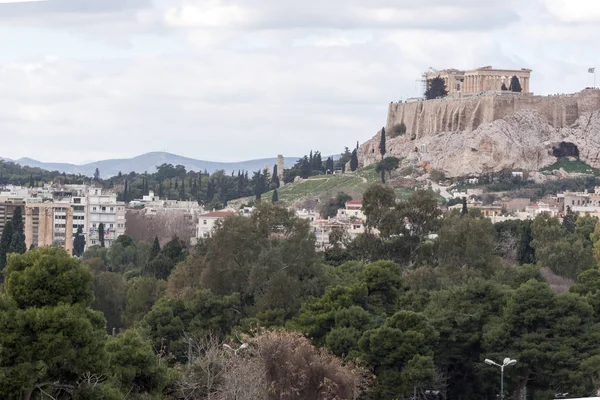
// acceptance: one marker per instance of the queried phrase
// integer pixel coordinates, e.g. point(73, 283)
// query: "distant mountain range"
point(149, 161)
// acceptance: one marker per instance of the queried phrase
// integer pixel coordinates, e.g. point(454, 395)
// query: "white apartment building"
point(103, 208)
point(207, 222)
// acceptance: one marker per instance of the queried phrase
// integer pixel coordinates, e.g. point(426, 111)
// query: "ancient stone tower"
point(280, 168)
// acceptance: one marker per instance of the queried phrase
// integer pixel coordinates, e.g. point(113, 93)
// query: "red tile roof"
point(354, 202)
point(218, 214)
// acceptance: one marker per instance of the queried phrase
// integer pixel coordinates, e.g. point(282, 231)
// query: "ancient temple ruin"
point(479, 80)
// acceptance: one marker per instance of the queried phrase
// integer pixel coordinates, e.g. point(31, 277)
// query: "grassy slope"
point(571, 166)
point(326, 186)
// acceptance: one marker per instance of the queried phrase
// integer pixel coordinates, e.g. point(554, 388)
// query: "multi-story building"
point(49, 224)
point(207, 222)
point(103, 208)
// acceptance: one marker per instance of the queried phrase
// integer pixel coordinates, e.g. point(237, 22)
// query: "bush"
point(398, 130)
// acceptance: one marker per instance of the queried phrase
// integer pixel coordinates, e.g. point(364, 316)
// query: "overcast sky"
point(228, 80)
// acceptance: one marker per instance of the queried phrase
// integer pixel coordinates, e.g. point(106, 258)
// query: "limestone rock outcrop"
point(521, 141)
point(526, 138)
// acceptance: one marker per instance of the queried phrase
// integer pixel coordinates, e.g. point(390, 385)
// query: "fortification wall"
point(429, 117)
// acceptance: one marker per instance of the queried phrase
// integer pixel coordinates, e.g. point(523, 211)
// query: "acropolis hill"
point(473, 133)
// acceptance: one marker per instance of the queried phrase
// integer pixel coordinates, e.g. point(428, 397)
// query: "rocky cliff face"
point(523, 140)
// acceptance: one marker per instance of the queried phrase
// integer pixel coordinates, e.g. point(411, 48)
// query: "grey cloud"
point(352, 14)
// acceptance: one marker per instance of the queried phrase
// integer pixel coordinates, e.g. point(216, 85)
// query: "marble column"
point(28, 227)
point(69, 231)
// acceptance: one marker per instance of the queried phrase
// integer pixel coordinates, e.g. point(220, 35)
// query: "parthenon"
point(479, 80)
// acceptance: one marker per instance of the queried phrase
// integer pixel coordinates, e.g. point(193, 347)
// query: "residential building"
point(103, 208)
point(49, 224)
point(353, 210)
point(541, 207)
point(207, 222)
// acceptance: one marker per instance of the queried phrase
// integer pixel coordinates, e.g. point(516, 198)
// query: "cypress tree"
point(464, 211)
point(275, 197)
point(354, 161)
point(17, 243)
point(155, 248)
point(31, 182)
point(275, 177)
point(382, 150)
point(101, 234)
point(17, 220)
point(125, 192)
point(7, 234)
point(79, 242)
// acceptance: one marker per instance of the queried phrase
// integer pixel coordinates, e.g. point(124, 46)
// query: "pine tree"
point(382, 149)
point(7, 234)
point(79, 242)
point(354, 161)
point(436, 88)
point(101, 234)
point(155, 248)
point(515, 85)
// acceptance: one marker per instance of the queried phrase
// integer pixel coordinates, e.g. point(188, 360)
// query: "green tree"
point(549, 335)
point(388, 165)
point(17, 243)
point(466, 246)
point(275, 178)
point(155, 248)
point(134, 364)
point(515, 85)
point(101, 234)
point(382, 149)
point(110, 297)
point(275, 197)
point(97, 174)
point(569, 220)
point(564, 253)
point(79, 242)
point(5, 241)
point(49, 337)
point(400, 353)
point(354, 161)
point(436, 88)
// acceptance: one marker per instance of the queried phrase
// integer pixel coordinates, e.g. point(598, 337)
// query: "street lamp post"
point(507, 361)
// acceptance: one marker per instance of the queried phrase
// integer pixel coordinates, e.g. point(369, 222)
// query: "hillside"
point(491, 133)
point(322, 187)
point(149, 161)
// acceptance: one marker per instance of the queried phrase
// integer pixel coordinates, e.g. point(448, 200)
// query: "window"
point(204, 222)
point(111, 225)
point(103, 208)
point(76, 201)
point(93, 225)
point(94, 209)
point(112, 209)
